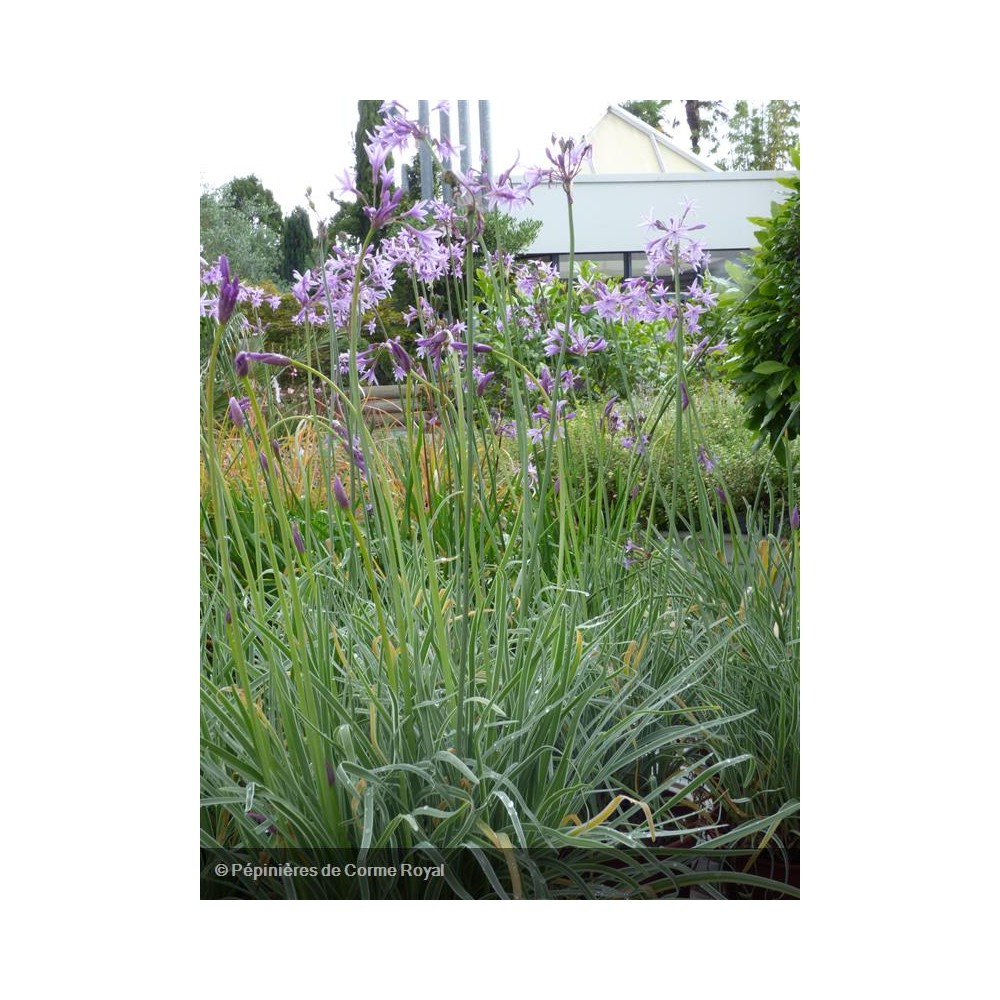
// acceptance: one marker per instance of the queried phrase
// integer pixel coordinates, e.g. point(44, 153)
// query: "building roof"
point(658, 141)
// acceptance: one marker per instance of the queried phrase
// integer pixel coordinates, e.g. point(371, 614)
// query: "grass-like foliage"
point(464, 643)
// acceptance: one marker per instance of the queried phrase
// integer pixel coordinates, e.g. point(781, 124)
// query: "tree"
point(702, 117)
point(703, 120)
point(351, 219)
point(504, 234)
point(648, 111)
point(762, 136)
point(297, 244)
point(251, 198)
point(251, 244)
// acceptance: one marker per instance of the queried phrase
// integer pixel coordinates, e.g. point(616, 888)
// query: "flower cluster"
point(566, 164)
point(628, 431)
point(564, 338)
point(428, 244)
point(676, 247)
point(222, 292)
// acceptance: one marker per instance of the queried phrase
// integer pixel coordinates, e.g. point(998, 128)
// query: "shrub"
point(765, 343)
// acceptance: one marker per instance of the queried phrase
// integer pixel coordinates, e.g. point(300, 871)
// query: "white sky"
point(287, 169)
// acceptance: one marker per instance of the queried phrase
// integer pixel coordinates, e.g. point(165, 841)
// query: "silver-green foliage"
point(252, 246)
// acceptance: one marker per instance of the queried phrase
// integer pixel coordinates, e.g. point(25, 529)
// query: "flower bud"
point(340, 493)
point(228, 291)
point(236, 412)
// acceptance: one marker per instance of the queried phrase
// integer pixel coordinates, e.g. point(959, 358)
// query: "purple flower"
point(570, 380)
point(578, 343)
point(554, 343)
point(300, 545)
point(263, 462)
point(795, 517)
point(676, 245)
point(482, 380)
point(698, 348)
point(401, 362)
point(581, 344)
point(236, 412)
point(432, 346)
point(340, 493)
point(259, 818)
point(631, 547)
point(463, 348)
point(364, 361)
point(266, 358)
point(228, 291)
point(705, 459)
point(684, 396)
point(501, 427)
point(639, 445)
point(531, 475)
point(357, 454)
point(614, 421)
point(567, 164)
point(330, 773)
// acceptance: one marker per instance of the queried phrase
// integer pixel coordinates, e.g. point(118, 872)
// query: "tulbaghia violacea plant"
point(566, 164)
point(387, 657)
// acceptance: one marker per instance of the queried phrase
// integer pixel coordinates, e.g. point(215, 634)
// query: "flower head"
point(401, 362)
point(567, 163)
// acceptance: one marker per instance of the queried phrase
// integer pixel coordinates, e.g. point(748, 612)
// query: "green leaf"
point(770, 367)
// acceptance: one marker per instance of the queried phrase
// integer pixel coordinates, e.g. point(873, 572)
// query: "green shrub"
point(765, 342)
point(749, 477)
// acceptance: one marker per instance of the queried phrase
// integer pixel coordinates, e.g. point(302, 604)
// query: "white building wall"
point(608, 210)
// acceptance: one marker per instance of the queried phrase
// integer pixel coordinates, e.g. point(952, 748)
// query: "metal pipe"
point(426, 170)
point(446, 162)
point(485, 143)
point(463, 135)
